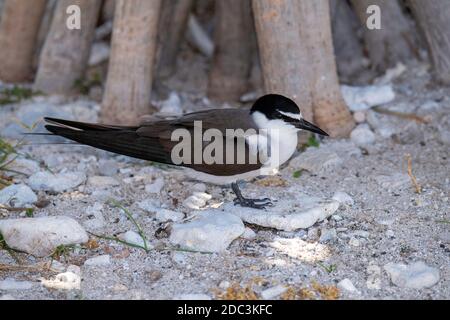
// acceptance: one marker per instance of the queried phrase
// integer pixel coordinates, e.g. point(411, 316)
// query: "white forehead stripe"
point(297, 116)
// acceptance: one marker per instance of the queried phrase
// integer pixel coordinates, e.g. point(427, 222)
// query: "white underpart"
point(280, 137)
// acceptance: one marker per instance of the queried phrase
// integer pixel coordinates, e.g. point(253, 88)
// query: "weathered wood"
point(172, 26)
point(19, 28)
point(65, 53)
point(230, 69)
point(133, 46)
point(330, 111)
point(347, 46)
point(395, 41)
point(433, 17)
point(284, 59)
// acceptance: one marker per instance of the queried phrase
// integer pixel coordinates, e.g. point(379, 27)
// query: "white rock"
point(197, 200)
point(149, 205)
point(273, 292)
point(60, 182)
point(12, 284)
point(359, 117)
point(40, 236)
point(416, 275)
point(354, 242)
point(166, 215)
point(74, 269)
point(172, 105)
point(298, 211)
point(102, 181)
point(107, 167)
point(99, 53)
point(63, 281)
point(25, 166)
point(192, 296)
point(316, 160)
point(327, 235)
point(102, 260)
point(134, 238)
point(155, 187)
point(57, 266)
point(374, 279)
point(362, 135)
point(98, 221)
point(248, 234)
point(344, 198)
point(199, 187)
point(17, 195)
point(347, 285)
point(362, 98)
point(210, 231)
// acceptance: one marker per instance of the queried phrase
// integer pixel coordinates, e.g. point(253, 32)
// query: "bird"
point(266, 134)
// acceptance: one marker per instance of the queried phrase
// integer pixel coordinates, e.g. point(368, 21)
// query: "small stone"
point(362, 135)
point(74, 269)
point(107, 167)
point(24, 166)
point(102, 260)
point(328, 235)
point(199, 187)
point(171, 106)
point(316, 160)
point(273, 292)
point(354, 242)
point(12, 284)
point(362, 98)
point(248, 234)
point(149, 205)
point(347, 285)
point(416, 275)
point(97, 221)
point(40, 236)
point(197, 200)
point(224, 285)
point(17, 195)
point(359, 117)
point(63, 281)
point(134, 238)
point(209, 232)
point(60, 182)
point(393, 181)
point(344, 198)
point(155, 187)
point(58, 266)
point(166, 215)
point(390, 233)
point(102, 181)
point(374, 279)
point(154, 275)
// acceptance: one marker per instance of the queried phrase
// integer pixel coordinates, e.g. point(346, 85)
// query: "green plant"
point(297, 173)
point(330, 268)
point(16, 94)
point(312, 142)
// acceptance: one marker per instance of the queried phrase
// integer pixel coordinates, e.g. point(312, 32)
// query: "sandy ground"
point(389, 222)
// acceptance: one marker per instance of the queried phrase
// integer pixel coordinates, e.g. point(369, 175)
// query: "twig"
point(409, 116)
point(410, 174)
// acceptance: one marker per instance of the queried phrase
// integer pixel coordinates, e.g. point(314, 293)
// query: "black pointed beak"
point(305, 125)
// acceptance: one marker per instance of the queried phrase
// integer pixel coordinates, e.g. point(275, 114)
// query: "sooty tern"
point(268, 131)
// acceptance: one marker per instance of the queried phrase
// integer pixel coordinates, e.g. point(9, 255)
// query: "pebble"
point(273, 292)
point(166, 215)
point(362, 98)
point(97, 221)
point(209, 232)
point(197, 200)
point(374, 277)
point(134, 238)
point(297, 211)
point(59, 182)
point(24, 166)
point(347, 285)
point(12, 284)
point(40, 236)
point(392, 181)
point(63, 281)
point(248, 234)
point(107, 167)
point(354, 242)
point(359, 117)
point(17, 195)
point(415, 275)
point(362, 135)
point(316, 160)
point(327, 235)
point(171, 106)
point(149, 205)
point(344, 198)
point(102, 260)
point(155, 187)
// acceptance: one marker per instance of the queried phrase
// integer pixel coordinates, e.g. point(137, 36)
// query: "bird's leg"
point(251, 203)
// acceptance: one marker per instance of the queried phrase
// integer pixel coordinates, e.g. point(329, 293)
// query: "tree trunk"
point(297, 58)
point(18, 36)
point(347, 47)
point(133, 45)
point(433, 18)
point(173, 22)
point(284, 59)
point(230, 68)
point(330, 111)
point(395, 41)
point(65, 53)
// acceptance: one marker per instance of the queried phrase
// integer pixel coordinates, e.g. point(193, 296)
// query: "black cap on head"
point(270, 103)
